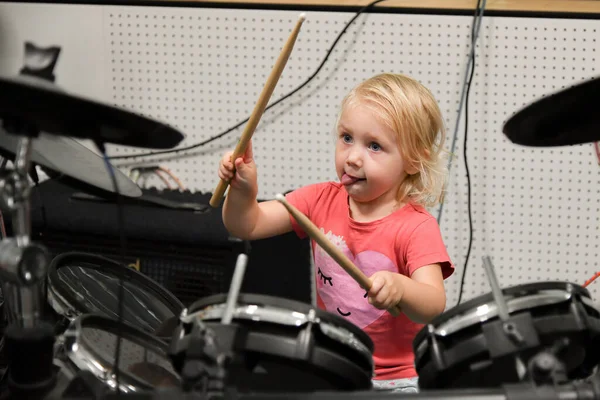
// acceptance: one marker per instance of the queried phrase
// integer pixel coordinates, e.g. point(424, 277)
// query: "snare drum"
point(291, 346)
point(82, 283)
point(90, 343)
point(460, 349)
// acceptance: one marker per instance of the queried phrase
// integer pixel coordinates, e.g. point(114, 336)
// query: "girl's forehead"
point(363, 111)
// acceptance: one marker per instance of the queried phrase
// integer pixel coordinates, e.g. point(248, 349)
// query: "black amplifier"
point(173, 237)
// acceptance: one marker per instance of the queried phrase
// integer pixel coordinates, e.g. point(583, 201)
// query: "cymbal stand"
point(23, 267)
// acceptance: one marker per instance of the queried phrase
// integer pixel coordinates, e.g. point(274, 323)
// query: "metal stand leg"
point(23, 267)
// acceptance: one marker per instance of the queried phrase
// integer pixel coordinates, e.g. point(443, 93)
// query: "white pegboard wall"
point(81, 67)
point(519, 194)
point(290, 135)
point(535, 211)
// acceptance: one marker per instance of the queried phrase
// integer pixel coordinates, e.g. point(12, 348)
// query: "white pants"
point(404, 385)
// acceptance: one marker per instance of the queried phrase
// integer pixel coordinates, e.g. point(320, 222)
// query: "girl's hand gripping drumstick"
point(259, 108)
point(331, 249)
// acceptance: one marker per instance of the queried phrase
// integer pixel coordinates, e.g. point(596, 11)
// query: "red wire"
point(592, 279)
point(597, 148)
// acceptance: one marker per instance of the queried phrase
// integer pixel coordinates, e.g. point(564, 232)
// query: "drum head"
point(291, 305)
point(143, 362)
point(292, 346)
point(82, 283)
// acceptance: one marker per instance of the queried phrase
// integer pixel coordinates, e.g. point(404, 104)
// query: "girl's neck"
point(373, 210)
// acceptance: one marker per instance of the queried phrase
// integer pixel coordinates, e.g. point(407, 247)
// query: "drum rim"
point(488, 297)
point(108, 265)
point(282, 302)
point(110, 325)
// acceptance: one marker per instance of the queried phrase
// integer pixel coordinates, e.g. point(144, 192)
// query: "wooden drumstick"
point(331, 249)
point(259, 108)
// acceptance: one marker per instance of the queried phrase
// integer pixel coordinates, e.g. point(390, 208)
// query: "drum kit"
point(82, 326)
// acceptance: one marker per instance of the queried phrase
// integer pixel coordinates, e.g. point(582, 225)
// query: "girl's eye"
point(375, 147)
point(346, 138)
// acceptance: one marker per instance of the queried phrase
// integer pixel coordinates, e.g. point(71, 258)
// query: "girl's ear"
point(413, 167)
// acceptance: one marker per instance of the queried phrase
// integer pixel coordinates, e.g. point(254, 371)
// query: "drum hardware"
point(56, 154)
point(23, 265)
point(234, 288)
point(90, 346)
point(30, 105)
point(83, 385)
point(241, 342)
point(577, 390)
point(468, 347)
point(544, 367)
point(510, 326)
point(283, 345)
point(149, 200)
point(28, 339)
point(66, 159)
point(515, 325)
point(207, 355)
point(81, 283)
point(547, 369)
point(65, 114)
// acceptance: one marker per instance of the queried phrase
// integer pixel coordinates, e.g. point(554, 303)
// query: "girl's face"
point(367, 158)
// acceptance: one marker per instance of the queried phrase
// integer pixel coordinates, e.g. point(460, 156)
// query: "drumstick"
point(259, 108)
point(331, 249)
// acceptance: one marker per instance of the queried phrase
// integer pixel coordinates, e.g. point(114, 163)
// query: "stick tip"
point(279, 197)
point(302, 16)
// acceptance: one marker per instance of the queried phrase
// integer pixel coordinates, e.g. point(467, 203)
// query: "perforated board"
point(535, 211)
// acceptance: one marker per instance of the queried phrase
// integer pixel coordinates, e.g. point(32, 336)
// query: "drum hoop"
point(472, 311)
point(488, 311)
point(59, 304)
point(67, 300)
point(262, 301)
point(346, 337)
point(81, 354)
point(282, 316)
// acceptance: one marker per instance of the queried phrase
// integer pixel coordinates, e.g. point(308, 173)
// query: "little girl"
point(388, 158)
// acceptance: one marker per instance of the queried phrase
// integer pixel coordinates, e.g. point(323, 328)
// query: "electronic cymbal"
point(567, 117)
point(45, 107)
point(66, 156)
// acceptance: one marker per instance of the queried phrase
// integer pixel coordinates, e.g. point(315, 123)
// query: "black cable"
point(220, 135)
point(123, 246)
point(473, 44)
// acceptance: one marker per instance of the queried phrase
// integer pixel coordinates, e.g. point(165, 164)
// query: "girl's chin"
point(357, 195)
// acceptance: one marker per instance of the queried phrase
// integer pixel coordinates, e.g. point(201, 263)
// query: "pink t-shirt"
point(402, 242)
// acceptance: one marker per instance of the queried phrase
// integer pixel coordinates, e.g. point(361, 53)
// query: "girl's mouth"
point(349, 179)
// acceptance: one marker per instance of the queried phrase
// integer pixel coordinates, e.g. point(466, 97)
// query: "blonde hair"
point(411, 111)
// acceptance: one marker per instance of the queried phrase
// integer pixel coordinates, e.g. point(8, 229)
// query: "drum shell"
point(282, 354)
point(449, 353)
point(82, 351)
